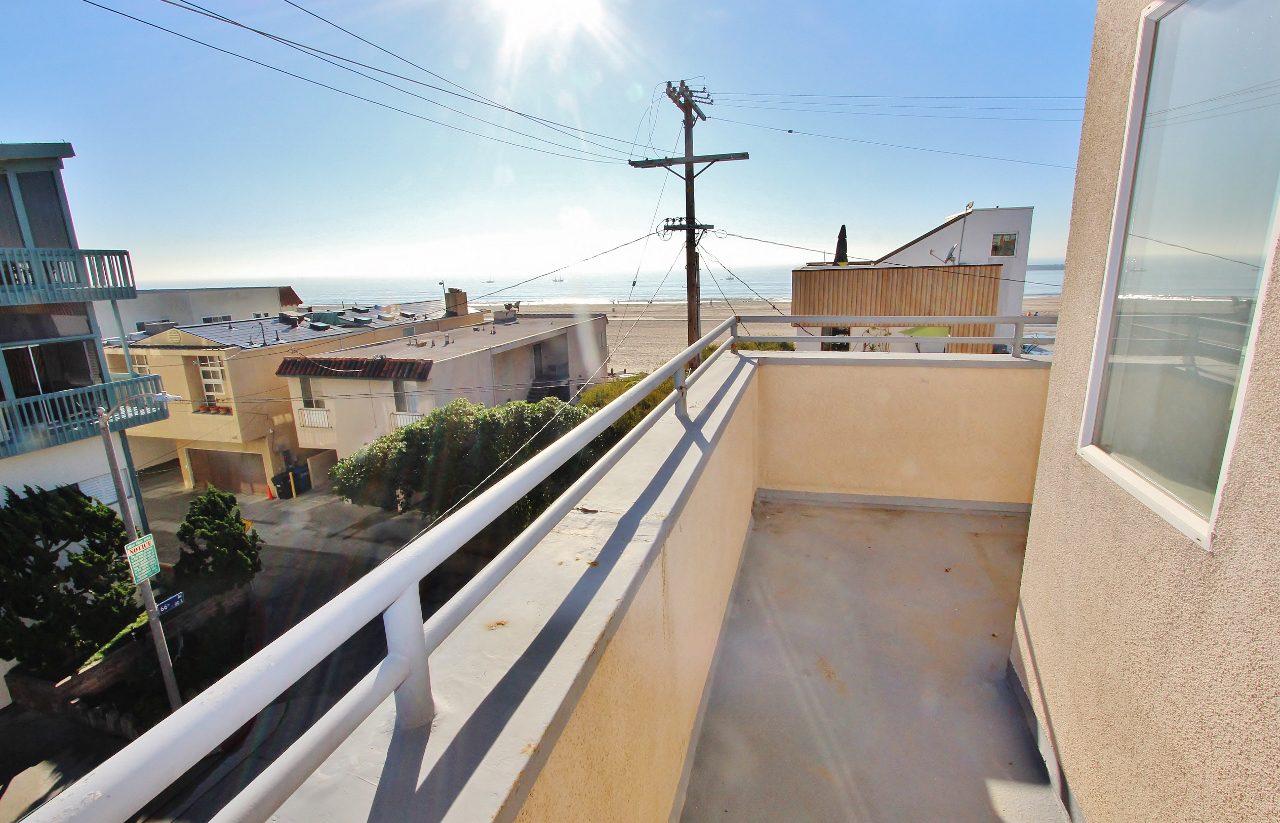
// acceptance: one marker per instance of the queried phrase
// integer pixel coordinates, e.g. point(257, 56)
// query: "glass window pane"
point(10, 231)
point(43, 205)
point(1198, 233)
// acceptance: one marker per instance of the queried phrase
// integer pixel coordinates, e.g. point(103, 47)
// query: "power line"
point(475, 95)
point(907, 265)
point(907, 96)
point(895, 145)
point(320, 54)
point(809, 104)
point(551, 420)
point(904, 114)
point(351, 94)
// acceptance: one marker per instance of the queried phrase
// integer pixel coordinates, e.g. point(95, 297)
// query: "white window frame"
point(212, 363)
point(1178, 514)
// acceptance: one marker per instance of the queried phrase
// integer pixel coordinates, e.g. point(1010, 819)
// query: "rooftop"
point(273, 331)
point(432, 346)
point(35, 151)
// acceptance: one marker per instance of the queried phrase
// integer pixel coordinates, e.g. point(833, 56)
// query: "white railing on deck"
point(400, 418)
point(118, 788)
point(313, 418)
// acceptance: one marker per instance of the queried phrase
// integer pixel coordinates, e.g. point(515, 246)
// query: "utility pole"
point(148, 598)
point(688, 100)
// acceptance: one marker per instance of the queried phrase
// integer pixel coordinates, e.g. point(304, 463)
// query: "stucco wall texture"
point(621, 755)
point(1153, 665)
point(949, 427)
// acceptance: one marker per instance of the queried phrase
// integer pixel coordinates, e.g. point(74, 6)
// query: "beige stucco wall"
point(1153, 665)
point(634, 721)
point(964, 427)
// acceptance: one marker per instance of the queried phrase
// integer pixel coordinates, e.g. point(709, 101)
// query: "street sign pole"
point(144, 585)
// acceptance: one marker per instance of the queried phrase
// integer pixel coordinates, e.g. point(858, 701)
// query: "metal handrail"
point(118, 788)
point(1015, 341)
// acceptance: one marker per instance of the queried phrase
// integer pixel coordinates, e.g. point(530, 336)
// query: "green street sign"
point(144, 563)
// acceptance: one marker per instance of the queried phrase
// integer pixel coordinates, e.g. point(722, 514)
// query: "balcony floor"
point(861, 674)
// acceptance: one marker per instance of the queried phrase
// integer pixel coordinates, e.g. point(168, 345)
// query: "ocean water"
point(747, 283)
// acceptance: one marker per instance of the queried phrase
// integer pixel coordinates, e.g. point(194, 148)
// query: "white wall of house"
point(188, 306)
point(360, 411)
point(972, 235)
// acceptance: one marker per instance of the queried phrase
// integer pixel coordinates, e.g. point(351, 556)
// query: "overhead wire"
point(550, 420)
point(324, 56)
point(475, 95)
point(338, 90)
point(902, 114)
point(894, 145)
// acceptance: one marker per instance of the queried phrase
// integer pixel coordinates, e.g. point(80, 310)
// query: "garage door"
point(233, 471)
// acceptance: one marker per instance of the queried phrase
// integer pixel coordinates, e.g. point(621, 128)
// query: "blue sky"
point(212, 169)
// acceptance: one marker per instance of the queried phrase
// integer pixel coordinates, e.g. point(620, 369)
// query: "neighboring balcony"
point(313, 418)
point(33, 276)
point(32, 423)
point(404, 418)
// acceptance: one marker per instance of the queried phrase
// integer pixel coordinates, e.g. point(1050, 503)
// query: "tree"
point(65, 587)
point(217, 548)
point(463, 448)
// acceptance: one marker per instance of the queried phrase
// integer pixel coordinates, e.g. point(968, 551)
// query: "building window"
point(406, 395)
point(217, 318)
point(213, 379)
point(1189, 249)
point(140, 363)
point(309, 399)
point(1004, 245)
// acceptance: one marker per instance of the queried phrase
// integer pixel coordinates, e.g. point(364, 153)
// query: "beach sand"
point(643, 338)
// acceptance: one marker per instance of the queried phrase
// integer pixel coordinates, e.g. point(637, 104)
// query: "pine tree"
point(217, 549)
point(65, 587)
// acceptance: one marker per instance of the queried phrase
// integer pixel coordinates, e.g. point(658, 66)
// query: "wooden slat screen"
point(903, 290)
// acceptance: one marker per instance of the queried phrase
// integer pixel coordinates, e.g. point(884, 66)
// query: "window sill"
point(1169, 508)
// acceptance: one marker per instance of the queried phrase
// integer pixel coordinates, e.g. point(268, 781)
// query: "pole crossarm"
point(680, 161)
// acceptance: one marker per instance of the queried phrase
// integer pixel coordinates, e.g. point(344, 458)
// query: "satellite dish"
point(969, 206)
point(951, 255)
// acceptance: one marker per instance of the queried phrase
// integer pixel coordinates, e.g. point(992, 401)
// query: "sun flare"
point(547, 25)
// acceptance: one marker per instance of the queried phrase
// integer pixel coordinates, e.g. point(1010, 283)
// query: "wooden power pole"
point(688, 100)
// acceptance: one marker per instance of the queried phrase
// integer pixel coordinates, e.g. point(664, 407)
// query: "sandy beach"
point(644, 337)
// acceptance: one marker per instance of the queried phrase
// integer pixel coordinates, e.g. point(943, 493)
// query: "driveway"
point(315, 521)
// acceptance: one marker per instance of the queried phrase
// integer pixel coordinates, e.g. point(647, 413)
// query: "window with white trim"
point(1190, 245)
point(213, 379)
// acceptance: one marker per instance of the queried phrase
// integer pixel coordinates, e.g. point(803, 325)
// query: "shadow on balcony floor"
point(862, 673)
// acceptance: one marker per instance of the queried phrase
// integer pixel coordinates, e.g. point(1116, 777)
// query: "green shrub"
point(217, 550)
point(434, 462)
point(599, 396)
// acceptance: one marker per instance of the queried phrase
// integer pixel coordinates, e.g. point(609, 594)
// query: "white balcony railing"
point(30, 276)
point(313, 418)
point(400, 418)
point(118, 788)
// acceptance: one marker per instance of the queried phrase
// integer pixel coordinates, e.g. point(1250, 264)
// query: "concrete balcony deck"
point(33, 276)
point(861, 673)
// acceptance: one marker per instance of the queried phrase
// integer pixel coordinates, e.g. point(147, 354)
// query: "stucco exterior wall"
point(1152, 664)
point(947, 427)
point(635, 719)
